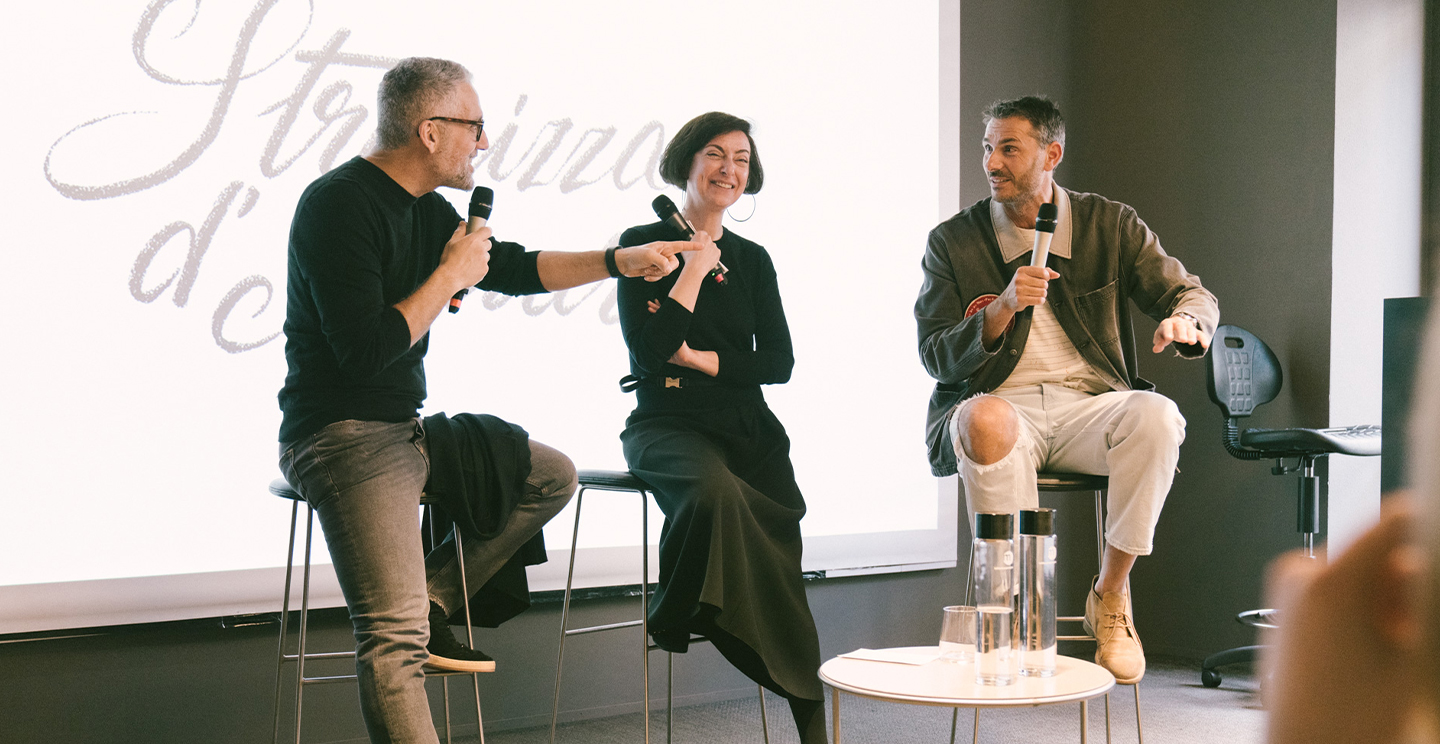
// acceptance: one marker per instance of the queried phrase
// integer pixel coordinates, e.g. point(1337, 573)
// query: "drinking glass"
point(957, 635)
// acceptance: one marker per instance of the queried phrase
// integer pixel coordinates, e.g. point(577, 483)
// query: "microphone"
point(480, 205)
point(666, 211)
point(1044, 231)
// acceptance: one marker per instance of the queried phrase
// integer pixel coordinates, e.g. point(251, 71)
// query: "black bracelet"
point(610, 264)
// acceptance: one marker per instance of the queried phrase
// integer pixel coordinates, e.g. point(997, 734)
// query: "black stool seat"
point(1363, 441)
point(1071, 482)
point(612, 480)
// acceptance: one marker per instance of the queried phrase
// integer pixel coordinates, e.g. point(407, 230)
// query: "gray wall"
point(1215, 120)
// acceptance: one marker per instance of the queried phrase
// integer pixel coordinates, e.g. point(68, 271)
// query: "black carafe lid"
point(990, 526)
point(1037, 521)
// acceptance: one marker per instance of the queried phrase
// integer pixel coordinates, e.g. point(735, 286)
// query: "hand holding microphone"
point(670, 215)
point(1030, 284)
point(481, 201)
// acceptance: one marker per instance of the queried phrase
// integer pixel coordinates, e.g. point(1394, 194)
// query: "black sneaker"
point(448, 654)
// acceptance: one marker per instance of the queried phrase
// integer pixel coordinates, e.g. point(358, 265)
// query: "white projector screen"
point(159, 151)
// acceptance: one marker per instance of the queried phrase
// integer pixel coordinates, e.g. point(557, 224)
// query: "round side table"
point(952, 685)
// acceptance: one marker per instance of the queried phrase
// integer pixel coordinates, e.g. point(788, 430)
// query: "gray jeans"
point(364, 479)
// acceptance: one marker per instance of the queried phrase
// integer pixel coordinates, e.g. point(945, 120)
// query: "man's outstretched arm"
point(563, 270)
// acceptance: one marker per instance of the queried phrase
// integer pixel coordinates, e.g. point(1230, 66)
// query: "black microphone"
point(1044, 231)
point(666, 211)
point(480, 205)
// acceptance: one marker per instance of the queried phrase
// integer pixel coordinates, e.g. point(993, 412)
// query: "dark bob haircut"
point(1041, 112)
point(694, 136)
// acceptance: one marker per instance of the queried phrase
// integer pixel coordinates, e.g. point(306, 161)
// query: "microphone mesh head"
point(1045, 221)
point(663, 207)
point(481, 200)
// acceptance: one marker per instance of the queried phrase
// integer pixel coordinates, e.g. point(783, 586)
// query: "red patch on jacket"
point(979, 304)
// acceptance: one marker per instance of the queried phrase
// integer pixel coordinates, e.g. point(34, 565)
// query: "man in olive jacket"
point(1036, 366)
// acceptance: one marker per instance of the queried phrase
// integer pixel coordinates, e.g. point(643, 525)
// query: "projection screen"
point(160, 149)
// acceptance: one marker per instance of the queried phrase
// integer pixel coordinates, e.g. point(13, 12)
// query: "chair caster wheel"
point(1209, 677)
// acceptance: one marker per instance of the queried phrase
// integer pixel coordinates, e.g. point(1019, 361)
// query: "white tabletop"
point(945, 683)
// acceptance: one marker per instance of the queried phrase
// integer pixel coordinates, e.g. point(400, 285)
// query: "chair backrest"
point(1243, 373)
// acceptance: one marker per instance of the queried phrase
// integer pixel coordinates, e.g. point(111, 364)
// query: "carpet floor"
point(1175, 709)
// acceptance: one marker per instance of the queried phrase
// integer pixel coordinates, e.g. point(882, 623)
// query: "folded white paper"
point(916, 656)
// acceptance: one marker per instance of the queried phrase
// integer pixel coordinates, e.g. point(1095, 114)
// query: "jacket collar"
point(1013, 246)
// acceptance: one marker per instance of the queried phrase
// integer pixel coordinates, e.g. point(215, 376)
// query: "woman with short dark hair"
point(703, 438)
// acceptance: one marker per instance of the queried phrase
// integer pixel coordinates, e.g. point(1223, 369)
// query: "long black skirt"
point(730, 548)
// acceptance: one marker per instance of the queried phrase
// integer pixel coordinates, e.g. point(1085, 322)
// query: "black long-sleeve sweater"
point(743, 322)
point(360, 243)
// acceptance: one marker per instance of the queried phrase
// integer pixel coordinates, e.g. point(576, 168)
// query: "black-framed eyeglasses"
point(479, 124)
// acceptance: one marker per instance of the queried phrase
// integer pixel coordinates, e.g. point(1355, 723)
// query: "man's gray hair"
point(1041, 112)
point(409, 92)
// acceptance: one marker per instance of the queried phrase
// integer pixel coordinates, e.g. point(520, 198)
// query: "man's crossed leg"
point(1003, 439)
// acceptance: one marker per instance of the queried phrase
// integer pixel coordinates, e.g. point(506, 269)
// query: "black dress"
point(719, 461)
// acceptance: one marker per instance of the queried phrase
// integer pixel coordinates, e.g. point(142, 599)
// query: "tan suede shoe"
point(1111, 620)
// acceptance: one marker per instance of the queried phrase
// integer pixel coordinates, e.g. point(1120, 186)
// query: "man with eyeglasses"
point(375, 256)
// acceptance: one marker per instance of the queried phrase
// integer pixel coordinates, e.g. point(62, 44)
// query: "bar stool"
point(1071, 483)
point(282, 488)
point(624, 481)
point(1097, 485)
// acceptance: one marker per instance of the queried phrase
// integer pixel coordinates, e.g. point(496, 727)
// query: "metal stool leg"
point(304, 621)
point(470, 638)
point(565, 614)
point(469, 626)
point(1100, 561)
point(764, 722)
point(1139, 730)
point(284, 617)
point(445, 692)
point(644, 604)
point(1099, 531)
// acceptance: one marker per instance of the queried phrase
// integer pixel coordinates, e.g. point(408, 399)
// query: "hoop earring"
point(754, 203)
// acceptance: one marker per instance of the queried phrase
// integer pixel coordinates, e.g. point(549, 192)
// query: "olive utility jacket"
point(1112, 256)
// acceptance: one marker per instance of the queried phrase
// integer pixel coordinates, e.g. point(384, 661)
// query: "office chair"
point(1244, 374)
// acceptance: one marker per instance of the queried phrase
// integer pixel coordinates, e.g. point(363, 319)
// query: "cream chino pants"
point(1132, 436)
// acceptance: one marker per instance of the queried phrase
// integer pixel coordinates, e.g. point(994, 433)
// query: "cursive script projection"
point(577, 162)
point(225, 94)
point(318, 109)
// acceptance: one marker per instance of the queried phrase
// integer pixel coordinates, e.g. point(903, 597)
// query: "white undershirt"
point(1050, 356)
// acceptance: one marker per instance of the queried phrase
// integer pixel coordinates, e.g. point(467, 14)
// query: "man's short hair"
point(680, 153)
point(1041, 112)
point(409, 92)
